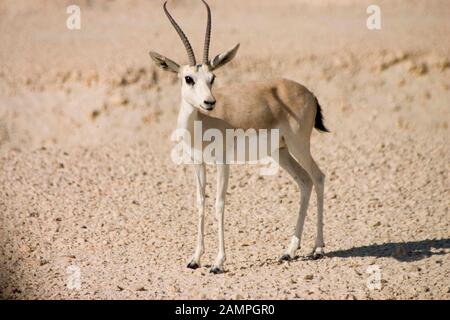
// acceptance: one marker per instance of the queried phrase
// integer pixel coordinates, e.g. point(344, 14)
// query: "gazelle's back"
point(265, 104)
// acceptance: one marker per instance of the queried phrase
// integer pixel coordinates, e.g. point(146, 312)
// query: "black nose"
point(210, 103)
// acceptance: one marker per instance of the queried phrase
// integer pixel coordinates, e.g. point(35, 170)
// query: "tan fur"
point(280, 103)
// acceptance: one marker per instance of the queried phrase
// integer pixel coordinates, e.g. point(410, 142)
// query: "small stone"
point(309, 277)
point(34, 214)
point(43, 262)
point(95, 114)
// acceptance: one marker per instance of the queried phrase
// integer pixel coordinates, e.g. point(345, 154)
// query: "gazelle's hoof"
point(318, 253)
point(285, 257)
point(193, 265)
point(216, 270)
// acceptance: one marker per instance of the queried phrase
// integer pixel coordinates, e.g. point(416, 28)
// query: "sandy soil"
point(86, 179)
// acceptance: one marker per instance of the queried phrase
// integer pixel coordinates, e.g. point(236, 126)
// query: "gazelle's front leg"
point(201, 185)
point(223, 172)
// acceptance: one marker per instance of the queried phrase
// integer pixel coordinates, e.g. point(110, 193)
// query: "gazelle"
point(277, 104)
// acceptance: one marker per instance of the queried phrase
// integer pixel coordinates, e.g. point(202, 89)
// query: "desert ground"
point(88, 188)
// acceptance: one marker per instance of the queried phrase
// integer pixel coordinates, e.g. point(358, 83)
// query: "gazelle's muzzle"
point(209, 104)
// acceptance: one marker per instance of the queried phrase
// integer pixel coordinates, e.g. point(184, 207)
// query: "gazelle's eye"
point(212, 79)
point(189, 81)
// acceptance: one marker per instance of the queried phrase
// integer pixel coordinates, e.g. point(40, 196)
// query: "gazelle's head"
point(196, 79)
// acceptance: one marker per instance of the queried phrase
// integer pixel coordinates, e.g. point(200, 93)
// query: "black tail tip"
point(318, 123)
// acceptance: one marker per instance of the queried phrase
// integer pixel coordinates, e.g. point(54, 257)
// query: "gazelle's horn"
point(207, 35)
point(183, 37)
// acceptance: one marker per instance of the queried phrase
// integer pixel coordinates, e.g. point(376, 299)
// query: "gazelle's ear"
point(223, 58)
point(164, 63)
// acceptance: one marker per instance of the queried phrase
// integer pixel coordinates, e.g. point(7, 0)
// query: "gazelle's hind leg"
point(305, 184)
point(304, 158)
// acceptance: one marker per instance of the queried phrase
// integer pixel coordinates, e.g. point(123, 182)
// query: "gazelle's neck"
point(186, 116)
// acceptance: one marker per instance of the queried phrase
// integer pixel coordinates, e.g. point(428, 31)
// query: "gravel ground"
point(87, 186)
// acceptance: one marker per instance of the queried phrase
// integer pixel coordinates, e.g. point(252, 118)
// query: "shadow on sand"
point(401, 251)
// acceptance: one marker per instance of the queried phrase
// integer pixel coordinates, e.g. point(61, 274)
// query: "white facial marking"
point(196, 84)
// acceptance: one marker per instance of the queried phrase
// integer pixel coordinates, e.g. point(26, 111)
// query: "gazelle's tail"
point(318, 122)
